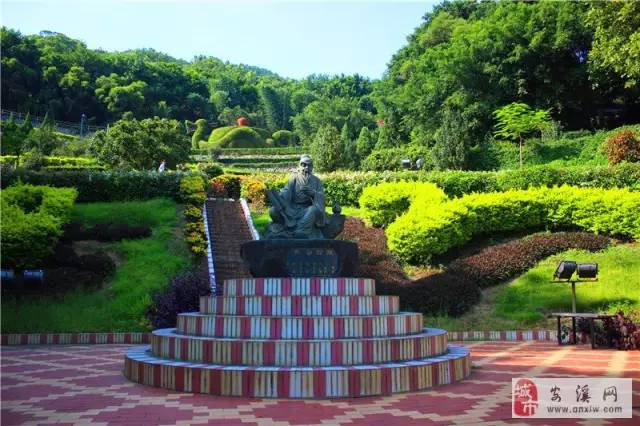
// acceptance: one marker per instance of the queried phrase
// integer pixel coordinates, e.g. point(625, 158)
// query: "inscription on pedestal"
point(321, 262)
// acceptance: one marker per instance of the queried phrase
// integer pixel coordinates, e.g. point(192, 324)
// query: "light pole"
point(82, 119)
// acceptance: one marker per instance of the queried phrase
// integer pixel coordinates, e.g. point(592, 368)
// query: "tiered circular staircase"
point(298, 338)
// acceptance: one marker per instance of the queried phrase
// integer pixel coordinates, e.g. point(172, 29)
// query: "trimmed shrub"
point(382, 203)
point(192, 193)
point(421, 232)
point(32, 219)
point(283, 138)
point(182, 295)
point(236, 137)
point(104, 185)
point(442, 294)
point(501, 262)
point(623, 146)
point(211, 170)
point(199, 133)
point(254, 191)
point(225, 186)
point(219, 133)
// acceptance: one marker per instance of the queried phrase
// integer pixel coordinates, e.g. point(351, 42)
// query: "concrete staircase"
point(228, 229)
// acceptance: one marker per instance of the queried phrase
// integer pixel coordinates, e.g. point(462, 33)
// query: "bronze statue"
point(298, 211)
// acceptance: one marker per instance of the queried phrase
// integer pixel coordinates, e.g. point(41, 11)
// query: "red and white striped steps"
point(298, 338)
point(298, 382)
point(299, 287)
point(259, 327)
point(300, 305)
point(166, 343)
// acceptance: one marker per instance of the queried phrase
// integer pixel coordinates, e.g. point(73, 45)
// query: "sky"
point(291, 38)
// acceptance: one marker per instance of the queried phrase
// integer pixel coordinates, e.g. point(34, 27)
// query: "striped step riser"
point(300, 305)
point(283, 353)
point(312, 383)
point(299, 287)
point(299, 328)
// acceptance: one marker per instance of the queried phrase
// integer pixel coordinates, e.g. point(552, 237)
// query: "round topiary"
point(242, 137)
point(623, 146)
point(284, 138)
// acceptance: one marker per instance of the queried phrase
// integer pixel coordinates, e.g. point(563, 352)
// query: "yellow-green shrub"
point(32, 219)
point(381, 204)
point(423, 232)
point(254, 191)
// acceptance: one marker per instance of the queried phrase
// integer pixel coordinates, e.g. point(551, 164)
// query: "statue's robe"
point(308, 212)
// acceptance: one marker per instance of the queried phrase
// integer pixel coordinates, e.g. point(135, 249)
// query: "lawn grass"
point(526, 302)
point(120, 305)
point(261, 219)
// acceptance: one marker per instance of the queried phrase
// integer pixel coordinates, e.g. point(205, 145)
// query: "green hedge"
point(381, 204)
point(104, 185)
point(32, 219)
point(58, 162)
point(423, 232)
point(346, 187)
point(290, 150)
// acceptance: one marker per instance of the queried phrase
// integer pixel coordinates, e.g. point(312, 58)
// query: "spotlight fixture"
point(564, 273)
point(588, 270)
point(565, 270)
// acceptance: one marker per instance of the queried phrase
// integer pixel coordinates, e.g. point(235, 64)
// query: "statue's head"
point(306, 165)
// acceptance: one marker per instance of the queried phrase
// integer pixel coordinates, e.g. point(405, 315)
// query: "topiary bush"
point(381, 204)
point(498, 263)
point(199, 133)
point(225, 186)
point(236, 137)
point(623, 146)
point(421, 232)
point(283, 138)
point(32, 219)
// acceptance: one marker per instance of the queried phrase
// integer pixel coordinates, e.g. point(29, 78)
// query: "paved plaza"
point(84, 385)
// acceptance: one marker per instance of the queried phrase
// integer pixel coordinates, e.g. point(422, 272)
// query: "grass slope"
point(121, 304)
point(525, 302)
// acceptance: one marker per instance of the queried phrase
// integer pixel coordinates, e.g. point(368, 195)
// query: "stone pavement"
point(85, 385)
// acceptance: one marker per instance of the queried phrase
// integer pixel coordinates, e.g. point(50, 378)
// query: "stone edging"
point(142, 337)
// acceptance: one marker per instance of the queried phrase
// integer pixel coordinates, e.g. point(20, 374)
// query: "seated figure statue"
point(298, 211)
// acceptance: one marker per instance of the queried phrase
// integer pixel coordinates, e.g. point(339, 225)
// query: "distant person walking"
point(163, 165)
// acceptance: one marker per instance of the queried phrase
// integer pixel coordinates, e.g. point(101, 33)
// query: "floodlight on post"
point(586, 272)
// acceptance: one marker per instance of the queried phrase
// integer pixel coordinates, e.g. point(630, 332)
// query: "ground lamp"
point(565, 271)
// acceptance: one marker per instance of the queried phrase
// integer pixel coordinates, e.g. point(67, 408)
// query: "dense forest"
point(579, 60)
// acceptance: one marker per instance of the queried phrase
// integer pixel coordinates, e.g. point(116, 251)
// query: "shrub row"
point(192, 194)
point(32, 219)
point(501, 262)
point(251, 160)
point(78, 162)
point(252, 151)
point(381, 204)
point(104, 185)
point(423, 232)
point(346, 188)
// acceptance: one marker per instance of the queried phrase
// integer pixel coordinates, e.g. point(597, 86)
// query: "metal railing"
point(60, 126)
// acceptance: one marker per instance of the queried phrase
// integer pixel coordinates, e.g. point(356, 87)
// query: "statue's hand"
point(306, 190)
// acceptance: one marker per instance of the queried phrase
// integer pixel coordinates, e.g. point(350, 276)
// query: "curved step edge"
point(299, 305)
point(261, 327)
point(297, 382)
point(299, 287)
point(166, 343)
